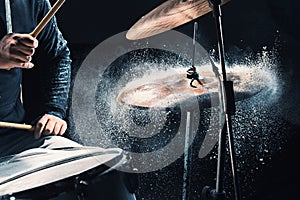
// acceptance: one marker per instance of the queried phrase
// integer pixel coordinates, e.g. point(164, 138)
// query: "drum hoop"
point(69, 183)
point(74, 158)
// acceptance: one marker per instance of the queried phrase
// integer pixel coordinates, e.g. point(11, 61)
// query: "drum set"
point(78, 173)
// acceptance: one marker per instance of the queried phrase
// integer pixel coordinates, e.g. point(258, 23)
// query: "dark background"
point(248, 27)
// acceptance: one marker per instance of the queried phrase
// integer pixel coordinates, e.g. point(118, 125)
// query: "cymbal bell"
point(167, 16)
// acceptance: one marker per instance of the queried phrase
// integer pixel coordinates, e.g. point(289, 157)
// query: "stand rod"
point(222, 136)
point(227, 106)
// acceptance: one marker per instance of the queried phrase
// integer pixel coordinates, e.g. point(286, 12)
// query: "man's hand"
point(16, 50)
point(50, 125)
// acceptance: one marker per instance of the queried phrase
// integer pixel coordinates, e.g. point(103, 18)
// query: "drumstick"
point(47, 18)
point(17, 126)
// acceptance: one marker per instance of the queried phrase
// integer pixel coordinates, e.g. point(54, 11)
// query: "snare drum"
point(62, 174)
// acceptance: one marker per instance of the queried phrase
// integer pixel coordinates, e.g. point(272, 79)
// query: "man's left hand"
point(50, 125)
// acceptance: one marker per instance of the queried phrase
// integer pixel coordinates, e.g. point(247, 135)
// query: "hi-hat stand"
point(227, 108)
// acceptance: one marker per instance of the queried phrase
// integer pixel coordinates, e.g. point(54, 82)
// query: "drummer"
point(16, 53)
point(48, 53)
point(48, 58)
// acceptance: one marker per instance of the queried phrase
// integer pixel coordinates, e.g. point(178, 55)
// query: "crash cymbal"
point(164, 89)
point(167, 16)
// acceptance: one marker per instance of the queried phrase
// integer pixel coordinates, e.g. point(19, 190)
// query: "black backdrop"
point(248, 27)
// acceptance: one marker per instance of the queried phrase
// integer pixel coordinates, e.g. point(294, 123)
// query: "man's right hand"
point(16, 50)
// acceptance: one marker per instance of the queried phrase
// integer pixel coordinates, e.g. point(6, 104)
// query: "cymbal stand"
point(227, 108)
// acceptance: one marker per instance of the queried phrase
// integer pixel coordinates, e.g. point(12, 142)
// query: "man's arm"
point(54, 55)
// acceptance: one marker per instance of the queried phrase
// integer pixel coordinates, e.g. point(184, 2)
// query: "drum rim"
point(114, 164)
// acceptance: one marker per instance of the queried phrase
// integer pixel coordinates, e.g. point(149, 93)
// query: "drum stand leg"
point(227, 108)
point(80, 188)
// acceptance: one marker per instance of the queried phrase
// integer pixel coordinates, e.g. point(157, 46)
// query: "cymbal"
point(166, 88)
point(167, 16)
point(162, 89)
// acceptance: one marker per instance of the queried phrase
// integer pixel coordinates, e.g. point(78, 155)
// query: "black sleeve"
point(52, 67)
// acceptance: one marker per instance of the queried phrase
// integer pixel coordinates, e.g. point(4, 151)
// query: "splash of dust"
point(258, 132)
point(256, 77)
point(257, 129)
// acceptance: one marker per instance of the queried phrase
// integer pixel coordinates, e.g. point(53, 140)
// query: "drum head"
point(38, 167)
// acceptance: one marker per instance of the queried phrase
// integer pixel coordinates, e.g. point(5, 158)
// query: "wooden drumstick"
point(17, 126)
point(47, 18)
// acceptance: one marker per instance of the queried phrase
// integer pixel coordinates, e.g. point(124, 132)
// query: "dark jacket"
point(45, 87)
